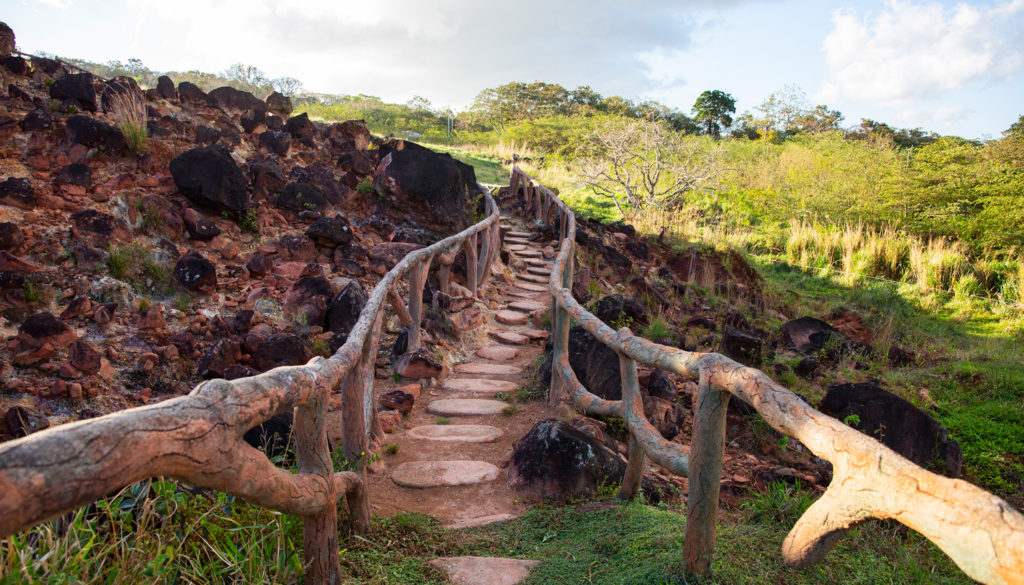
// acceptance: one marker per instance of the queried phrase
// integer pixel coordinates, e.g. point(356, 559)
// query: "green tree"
point(713, 110)
point(1016, 130)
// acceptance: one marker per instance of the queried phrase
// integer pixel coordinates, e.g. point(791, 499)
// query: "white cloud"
point(910, 51)
point(54, 3)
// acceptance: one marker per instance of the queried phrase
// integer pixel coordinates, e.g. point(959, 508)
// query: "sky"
point(949, 67)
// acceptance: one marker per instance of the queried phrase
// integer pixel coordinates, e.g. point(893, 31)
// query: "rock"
point(273, 435)
point(198, 226)
point(152, 317)
point(308, 297)
point(428, 474)
point(479, 385)
point(557, 460)
point(93, 133)
point(165, 87)
point(806, 367)
point(705, 322)
point(11, 237)
point(208, 135)
point(614, 309)
point(666, 416)
point(221, 356)
point(47, 66)
point(119, 86)
point(510, 317)
point(323, 180)
point(98, 228)
point(74, 174)
point(43, 328)
point(18, 192)
point(161, 217)
point(276, 142)
point(330, 232)
point(230, 98)
point(808, 335)
point(418, 364)
point(25, 420)
point(391, 253)
point(301, 197)
point(77, 89)
point(596, 365)
point(252, 119)
point(397, 400)
point(83, 356)
point(209, 177)
point(259, 265)
point(389, 420)
point(34, 356)
point(351, 135)
point(189, 92)
point(499, 353)
point(267, 176)
point(281, 349)
point(278, 103)
point(484, 570)
point(897, 356)
point(15, 65)
point(301, 127)
point(77, 307)
point(898, 424)
point(438, 181)
point(660, 385)
point(37, 119)
point(401, 344)
point(742, 345)
point(196, 273)
point(343, 310)
point(7, 40)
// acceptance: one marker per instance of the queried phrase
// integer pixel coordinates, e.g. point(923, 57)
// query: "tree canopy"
point(713, 111)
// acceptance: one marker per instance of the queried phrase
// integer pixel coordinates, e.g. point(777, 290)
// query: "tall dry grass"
point(128, 111)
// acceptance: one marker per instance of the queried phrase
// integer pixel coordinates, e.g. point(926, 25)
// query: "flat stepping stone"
point(515, 240)
point(480, 385)
point(527, 306)
point(510, 337)
point(536, 262)
point(428, 474)
point(534, 333)
point(539, 271)
point(523, 294)
point(499, 353)
point(484, 570)
point(531, 286)
point(517, 248)
point(529, 253)
point(481, 521)
point(456, 433)
point(534, 278)
point(518, 234)
point(484, 369)
point(466, 407)
point(510, 317)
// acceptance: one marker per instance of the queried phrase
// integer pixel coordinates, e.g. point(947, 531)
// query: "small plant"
point(852, 420)
point(128, 110)
point(365, 186)
point(144, 303)
point(623, 320)
point(34, 293)
point(396, 376)
point(442, 420)
point(391, 449)
point(656, 329)
point(48, 82)
point(321, 348)
point(780, 504)
point(54, 106)
point(247, 221)
point(510, 410)
point(182, 302)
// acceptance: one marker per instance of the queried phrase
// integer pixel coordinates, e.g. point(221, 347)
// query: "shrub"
point(128, 110)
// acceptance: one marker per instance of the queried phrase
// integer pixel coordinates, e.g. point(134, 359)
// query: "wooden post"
point(635, 464)
point(540, 205)
point(396, 303)
point(355, 443)
point(705, 477)
point(485, 257)
point(313, 456)
point(469, 245)
point(445, 276)
point(369, 365)
point(417, 278)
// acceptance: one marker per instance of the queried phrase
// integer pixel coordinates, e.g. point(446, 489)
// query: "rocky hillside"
point(227, 239)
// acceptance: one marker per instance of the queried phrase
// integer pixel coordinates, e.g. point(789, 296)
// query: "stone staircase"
point(450, 454)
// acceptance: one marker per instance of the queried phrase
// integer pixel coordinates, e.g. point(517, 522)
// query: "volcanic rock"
point(209, 177)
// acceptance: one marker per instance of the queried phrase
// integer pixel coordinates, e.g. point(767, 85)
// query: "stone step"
point(456, 433)
point(519, 234)
point(515, 247)
point(510, 337)
point(479, 385)
point(534, 278)
point(531, 286)
point(528, 253)
point(536, 262)
point(510, 317)
point(485, 369)
point(466, 407)
point(538, 271)
point(484, 570)
point(428, 474)
point(528, 306)
point(498, 353)
point(524, 294)
point(534, 333)
point(517, 241)
point(480, 521)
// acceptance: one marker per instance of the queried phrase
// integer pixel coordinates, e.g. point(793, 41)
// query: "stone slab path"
point(461, 433)
point(484, 570)
point(428, 474)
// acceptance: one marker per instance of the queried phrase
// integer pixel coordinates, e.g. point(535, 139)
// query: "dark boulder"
point(83, 356)
point(898, 424)
point(309, 296)
point(236, 371)
point(43, 328)
point(408, 170)
point(209, 177)
point(189, 92)
point(88, 131)
point(330, 232)
point(301, 197)
point(343, 310)
point(810, 336)
point(397, 400)
point(281, 349)
point(276, 142)
point(557, 460)
point(666, 416)
point(278, 103)
point(118, 86)
point(208, 135)
point(37, 119)
point(251, 119)
point(46, 65)
point(196, 273)
point(617, 309)
point(401, 344)
point(24, 420)
point(259, 265)
point(660, 385)
point(219, 358)
point(165, 88)
point(77, 89)
point(273, 435)
point(596, 365)
point(418, 364)
point(323, 180)
point(742, 345)
point(301, 127)
point(98, 228)
point(230, 98)
point(199, 227)
point(15, 65)
point(351, 135)
point(639, 250)
point(17, 192)
point(11, 237)
point(74, 174)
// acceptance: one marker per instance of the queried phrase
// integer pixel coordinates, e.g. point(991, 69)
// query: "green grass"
point(488, 168)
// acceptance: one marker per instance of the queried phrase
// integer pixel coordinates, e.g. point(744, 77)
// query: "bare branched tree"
point(643, 163)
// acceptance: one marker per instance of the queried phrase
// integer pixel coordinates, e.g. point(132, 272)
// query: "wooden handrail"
point(983, 534)
point(198, 438)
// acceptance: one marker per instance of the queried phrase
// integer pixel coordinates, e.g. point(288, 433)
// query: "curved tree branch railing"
point(983, 534)
point(198, 438)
